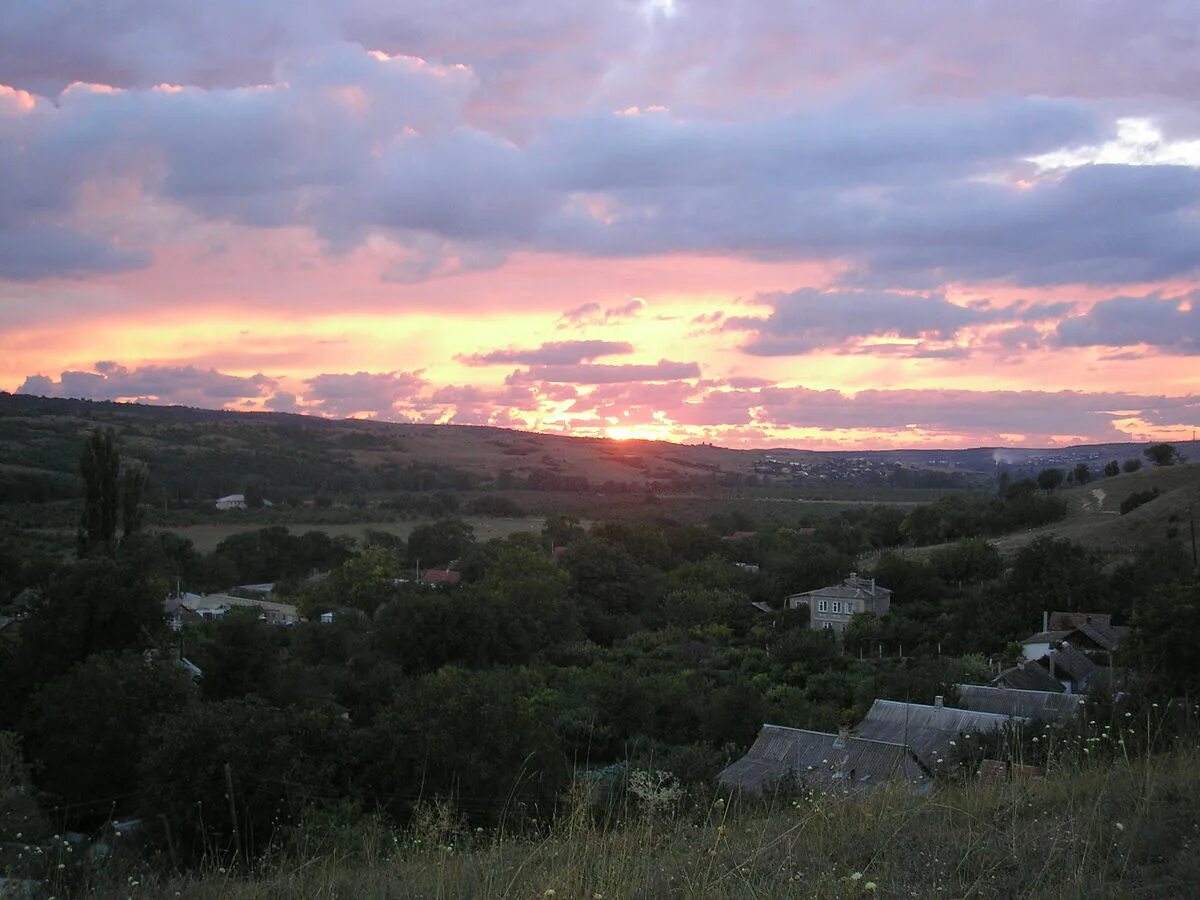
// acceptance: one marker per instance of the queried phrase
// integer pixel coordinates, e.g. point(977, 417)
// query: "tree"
point(279, 760)
point(1131, 465)
point(254, 494)
point(483, 737)
point(1164, 643)
point(367, 580)
point(100, 465)
point(93, 606)
point(439, 543)
point(1049, 479)
point(1112, 469)
point(132, 487)
point(1082, 473)
point(86, 726)
point(239, 658)
point(561, 531)
point(1162, 454)
point(970, 560)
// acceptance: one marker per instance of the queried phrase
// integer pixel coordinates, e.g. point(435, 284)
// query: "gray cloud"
point(181, 385)
point(1037, 414)
point(351, 393)
point(809, 320)
point(1170, 324)
point(553, 353)
point(892, 140)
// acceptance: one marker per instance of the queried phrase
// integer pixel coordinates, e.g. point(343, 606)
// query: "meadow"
point(1111, 830)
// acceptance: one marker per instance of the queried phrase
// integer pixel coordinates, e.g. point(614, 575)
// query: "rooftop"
point(816, 758)
point(928, 730)
point(1024, 704)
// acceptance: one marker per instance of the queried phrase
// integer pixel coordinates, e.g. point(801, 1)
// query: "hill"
point(198, 455)
point(1095, 521)
point(1101, 832)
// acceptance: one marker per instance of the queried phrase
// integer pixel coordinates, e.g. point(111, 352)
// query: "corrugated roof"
point(1045, 637)
point(821, 760)
point(1104, 636)
point(1029, 677)
point(853, 588)
point(1021, 703)
point(928, 730)
point(1069, 663)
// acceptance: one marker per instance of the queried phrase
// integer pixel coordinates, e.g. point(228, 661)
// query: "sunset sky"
point(756, 223)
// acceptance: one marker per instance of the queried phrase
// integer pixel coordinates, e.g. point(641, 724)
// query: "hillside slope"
point(1124, 831)
point(1094, 519)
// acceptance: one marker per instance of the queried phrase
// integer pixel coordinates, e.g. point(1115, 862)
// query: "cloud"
point(35, 250)
point(663, 370)
point(591, 314)
point(377, 394)
point(176, 385)
point(1170, 324)
point(554, 353)
point(808, 321)
point(1040, 414)
point(354, 145)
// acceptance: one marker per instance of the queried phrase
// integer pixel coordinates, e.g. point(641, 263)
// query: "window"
point(837, 606)
point(822, 606)
point(849, 606)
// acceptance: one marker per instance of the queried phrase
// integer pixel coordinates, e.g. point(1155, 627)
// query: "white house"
point(832, 607)
point(231, 501)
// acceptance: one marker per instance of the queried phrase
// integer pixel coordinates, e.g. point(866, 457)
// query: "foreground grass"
point(1129, 830)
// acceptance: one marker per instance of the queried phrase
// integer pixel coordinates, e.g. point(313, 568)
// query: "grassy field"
point(206, 537)
point(1129, 830)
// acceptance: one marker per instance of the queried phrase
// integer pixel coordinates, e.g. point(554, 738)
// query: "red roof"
point(441, 576)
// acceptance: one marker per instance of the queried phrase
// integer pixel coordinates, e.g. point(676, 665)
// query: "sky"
point(759, 223)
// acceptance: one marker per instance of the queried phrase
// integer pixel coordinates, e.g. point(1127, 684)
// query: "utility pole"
point(1192, 527)
point(237, 841)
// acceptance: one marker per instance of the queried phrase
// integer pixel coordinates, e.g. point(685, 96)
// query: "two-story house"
point(833, 607)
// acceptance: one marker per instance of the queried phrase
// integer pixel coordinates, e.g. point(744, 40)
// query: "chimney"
point(939, 701)
point(842, 737)
point(1045, 620)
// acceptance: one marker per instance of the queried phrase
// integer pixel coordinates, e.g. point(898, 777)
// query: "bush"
point(1133, 501)
point(491, 505)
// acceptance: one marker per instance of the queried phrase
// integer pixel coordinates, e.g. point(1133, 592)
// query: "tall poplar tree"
point(100, 465)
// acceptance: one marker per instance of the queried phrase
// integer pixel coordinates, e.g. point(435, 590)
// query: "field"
point(206, 537)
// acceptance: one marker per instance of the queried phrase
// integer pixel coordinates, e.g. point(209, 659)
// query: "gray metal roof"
point(1069, 663)
point(1021, 703)
point(820, 760)
point(853, 588)
point(1045, 637)
point(1028, 676)
point(928, 730)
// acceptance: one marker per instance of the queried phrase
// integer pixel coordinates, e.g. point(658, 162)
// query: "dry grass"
point(1126, 830)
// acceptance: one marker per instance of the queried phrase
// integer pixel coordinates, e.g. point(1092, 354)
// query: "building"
point(231, 501)
point(441, 576)
point(1028, 676)
point(817, 760)
point(1072, 668)
point(1022, 704)
point(833, 607)
point(214, 606)
point(934, 733)
point(1092, 633)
